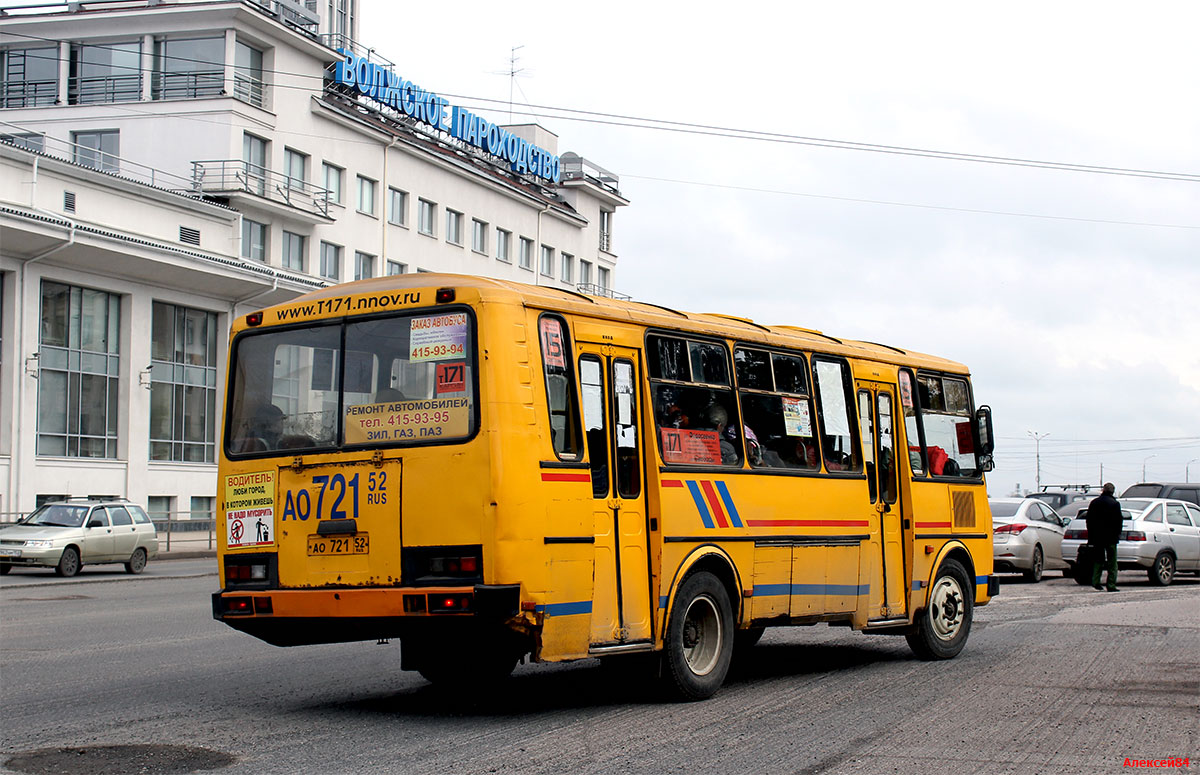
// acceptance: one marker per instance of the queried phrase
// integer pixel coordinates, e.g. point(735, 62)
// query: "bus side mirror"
point(986, 438)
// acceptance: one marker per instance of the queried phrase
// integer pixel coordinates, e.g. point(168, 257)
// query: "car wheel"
point(137, 563)
point(4, 569)
point(68, 564)
point(1034, 574)
point(1163, 571)
point(941, 630)
point(699, 639)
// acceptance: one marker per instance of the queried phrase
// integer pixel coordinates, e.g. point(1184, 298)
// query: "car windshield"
point(57, 515)
point(1002, 509)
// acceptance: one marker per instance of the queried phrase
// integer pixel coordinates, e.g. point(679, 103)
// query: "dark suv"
point(1184, 491)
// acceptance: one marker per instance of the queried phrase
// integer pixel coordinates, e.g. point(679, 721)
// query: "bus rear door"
point(621, 610)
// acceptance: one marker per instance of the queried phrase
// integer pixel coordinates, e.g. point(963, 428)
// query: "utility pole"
point(1037, 446)
point(1187, 469)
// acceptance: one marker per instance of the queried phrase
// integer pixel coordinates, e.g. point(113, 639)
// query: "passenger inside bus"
point(261, 430)
point(718, 420)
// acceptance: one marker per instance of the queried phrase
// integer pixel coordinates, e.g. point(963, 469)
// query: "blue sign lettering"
point(390, 90)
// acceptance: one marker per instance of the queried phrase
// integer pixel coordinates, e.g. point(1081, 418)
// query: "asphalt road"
point(1055, 678)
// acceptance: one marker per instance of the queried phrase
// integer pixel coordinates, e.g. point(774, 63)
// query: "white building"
point(167, 165)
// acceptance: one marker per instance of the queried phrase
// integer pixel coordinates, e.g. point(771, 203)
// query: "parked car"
point(1158, 535)
point(1074, 509)
point(1184, 491)
point(1058, 497)
point(1027, 537)
point(66, 535)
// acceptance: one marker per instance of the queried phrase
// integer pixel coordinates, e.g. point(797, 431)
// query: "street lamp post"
point(1037, 447)
point(1187, 467)
point(1144, 465)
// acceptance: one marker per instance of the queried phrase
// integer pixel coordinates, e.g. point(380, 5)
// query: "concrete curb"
point(186, 555)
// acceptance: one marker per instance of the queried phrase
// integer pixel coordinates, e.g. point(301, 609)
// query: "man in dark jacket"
point(1104, 531)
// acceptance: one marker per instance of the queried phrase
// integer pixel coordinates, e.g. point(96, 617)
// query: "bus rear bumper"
point(293, 617)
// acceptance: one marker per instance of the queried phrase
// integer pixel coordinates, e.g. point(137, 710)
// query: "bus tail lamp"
point(262, 605)
point(238, 605)
point(454, 565)
point(254, 319)
point(449, 603)
point(444, 295)
point(1011, 529)
point(254, 572)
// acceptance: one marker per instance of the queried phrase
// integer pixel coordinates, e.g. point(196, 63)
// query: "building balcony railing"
point(248, 89)
point(596, 290)
point(301, 14)
point(605, 241)
point(575, 167)
point(188, 85)
point(28, 94)
point(106, 88)
point(227, 176)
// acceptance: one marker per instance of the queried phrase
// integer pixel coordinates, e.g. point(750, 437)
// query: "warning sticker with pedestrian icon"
point(250, 510)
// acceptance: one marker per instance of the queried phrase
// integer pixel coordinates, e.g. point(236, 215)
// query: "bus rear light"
point(414, 604)
point(449, 604)
point(239, 605)
point(444, 295)
point(254, 319)
point(1010, 529)
point(241, 572)
point(262, 605)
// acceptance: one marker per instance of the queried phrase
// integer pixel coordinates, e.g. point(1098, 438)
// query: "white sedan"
point(1028, 537)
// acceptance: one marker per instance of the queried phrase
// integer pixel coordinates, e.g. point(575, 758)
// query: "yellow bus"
point(489, 471)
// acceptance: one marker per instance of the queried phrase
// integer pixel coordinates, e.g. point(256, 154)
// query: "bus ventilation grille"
point(964, 508)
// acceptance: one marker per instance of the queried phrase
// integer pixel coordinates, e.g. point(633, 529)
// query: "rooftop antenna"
point(513, 70)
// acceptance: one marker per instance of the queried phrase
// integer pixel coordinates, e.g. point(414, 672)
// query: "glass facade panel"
point(186, 69)
point(182, 384)
point(28, 77)
point(105, 73)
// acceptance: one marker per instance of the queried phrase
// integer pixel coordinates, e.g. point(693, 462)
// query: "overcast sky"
point(1074, 298)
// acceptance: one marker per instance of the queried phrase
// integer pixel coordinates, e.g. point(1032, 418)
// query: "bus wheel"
point(699, 639)
point(941, 630)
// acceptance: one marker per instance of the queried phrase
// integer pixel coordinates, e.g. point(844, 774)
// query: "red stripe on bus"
point(714, 503)
point(548, 476)
point(672, 482)
point(808, 523)
point(933, 524)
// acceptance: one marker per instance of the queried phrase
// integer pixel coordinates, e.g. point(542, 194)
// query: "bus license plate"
point(321, 546)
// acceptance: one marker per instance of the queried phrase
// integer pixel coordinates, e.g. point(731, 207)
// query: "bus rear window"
point(402, 379)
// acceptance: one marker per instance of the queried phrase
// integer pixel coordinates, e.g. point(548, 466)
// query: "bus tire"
point(699, 639)
point(941, 630)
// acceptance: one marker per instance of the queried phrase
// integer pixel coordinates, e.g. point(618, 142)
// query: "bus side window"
point(912, 424)
point(947, 422)
point(592, 387)
point(839, 433)
point(560, 393)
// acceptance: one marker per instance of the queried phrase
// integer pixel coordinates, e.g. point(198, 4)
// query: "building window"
point(333, 181)
point(547, 261)
point(341, 12)
point(503, 240)
point(568, 268)
point(479, 232)
point(254, 163)
point(331, 261)
point(397, 207)
point(585, 272)
point(79, 362)
point(28, 140)
point(108, 73)
point(293, 251)
point(395, 267)
point(364, 265)
point(295, 169)
point(188, 68)
point(183, 384)
point(366, 196)
point(203, 507)
point(101, 150)
point(605, 230)
point(453, 227)
point(602, 275)
point(254, 240)
point(29, 77)
point(426, 216)
point(526, 253)
point(248, 74)
point(160, 508)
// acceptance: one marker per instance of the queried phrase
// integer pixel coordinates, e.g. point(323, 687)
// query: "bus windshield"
point(401, 379)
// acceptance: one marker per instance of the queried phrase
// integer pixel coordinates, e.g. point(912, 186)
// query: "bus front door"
point(621, 611)
point(876, 411)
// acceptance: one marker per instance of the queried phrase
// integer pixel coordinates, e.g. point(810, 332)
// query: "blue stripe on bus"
point(766, 590)
point(567, 609)
point(662, 601)
point(733, 512)
point(917, 585)
point(981, 579)
point(705, 517)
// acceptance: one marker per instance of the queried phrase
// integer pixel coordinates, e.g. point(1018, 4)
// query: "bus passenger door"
point(621, 610)
point(876, 410)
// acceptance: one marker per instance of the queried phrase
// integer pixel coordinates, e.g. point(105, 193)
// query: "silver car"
point(1158, 535)
point(1027, 537)
point(70, 534)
